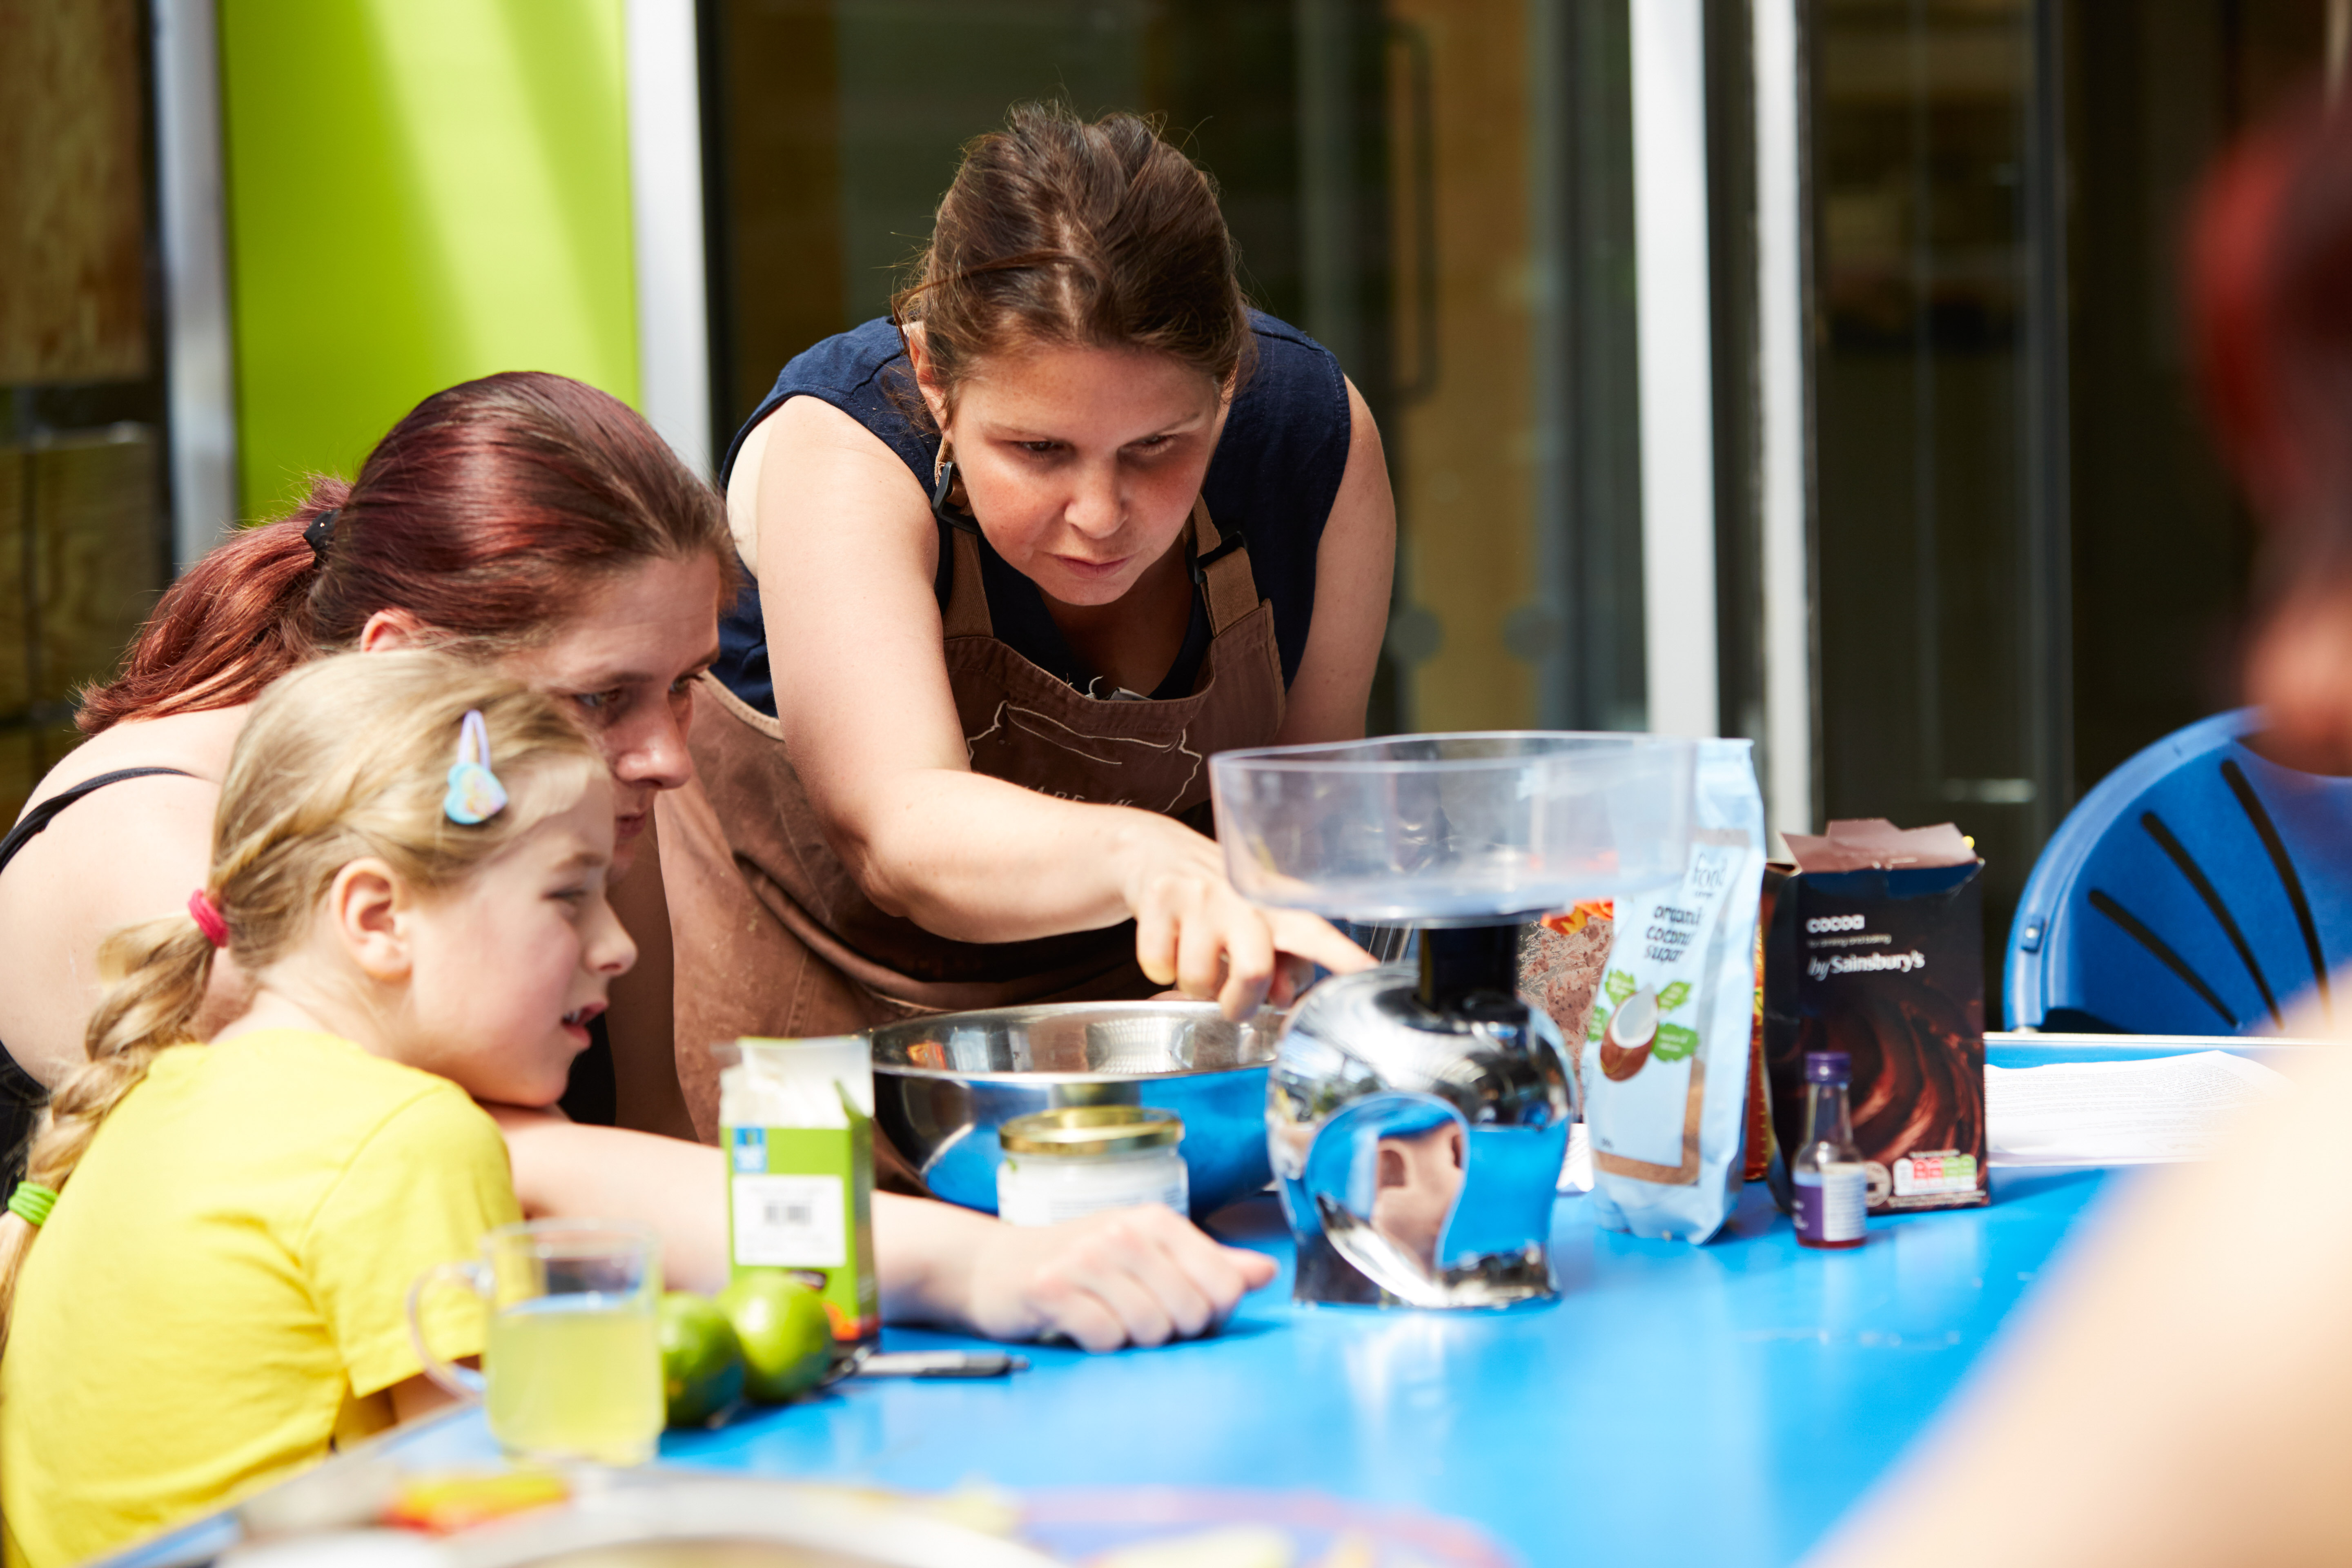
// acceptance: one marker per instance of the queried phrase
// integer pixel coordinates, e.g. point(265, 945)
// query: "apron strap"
point(967, 613)
point(1221, 567)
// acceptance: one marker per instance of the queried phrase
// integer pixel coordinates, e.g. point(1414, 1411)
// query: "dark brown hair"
point(1058, 231)
point(484, 513)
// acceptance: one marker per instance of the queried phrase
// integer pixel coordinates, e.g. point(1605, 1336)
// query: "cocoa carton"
point(1874, 946)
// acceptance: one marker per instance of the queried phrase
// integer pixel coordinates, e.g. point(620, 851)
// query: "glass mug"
point(572, 1366)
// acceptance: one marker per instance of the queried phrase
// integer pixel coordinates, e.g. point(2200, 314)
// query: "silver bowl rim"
point(1267, 1020)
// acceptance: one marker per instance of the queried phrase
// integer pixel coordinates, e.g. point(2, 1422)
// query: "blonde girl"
point(201, 1276)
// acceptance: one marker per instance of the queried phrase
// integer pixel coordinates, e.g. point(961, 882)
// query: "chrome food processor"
point(1417, 1119)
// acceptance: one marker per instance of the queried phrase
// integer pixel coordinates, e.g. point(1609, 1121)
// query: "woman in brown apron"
point(1026, 557)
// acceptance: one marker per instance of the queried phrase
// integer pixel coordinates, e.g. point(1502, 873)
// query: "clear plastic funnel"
point(1455, 829)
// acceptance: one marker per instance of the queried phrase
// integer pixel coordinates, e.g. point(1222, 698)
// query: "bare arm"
point(863, 699)
point(414, 1398)
point(2179, 1395)
point(131, 852)
point(564, 1169)
point(865, 705)
point(1139, 1275)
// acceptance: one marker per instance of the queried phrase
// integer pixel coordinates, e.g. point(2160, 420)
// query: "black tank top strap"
point(41, 815)
point(20, 1095)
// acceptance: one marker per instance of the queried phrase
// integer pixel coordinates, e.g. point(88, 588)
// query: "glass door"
point(1940, 542)
point(1439, 191)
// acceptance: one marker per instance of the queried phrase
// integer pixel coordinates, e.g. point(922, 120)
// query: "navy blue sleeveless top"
point(1274, 475)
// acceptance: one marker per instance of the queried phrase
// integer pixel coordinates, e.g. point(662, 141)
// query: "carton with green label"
point(796, 1119)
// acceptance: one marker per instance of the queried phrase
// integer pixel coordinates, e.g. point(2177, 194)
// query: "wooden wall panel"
point(16, 612)
point(20, 769)
point(94, 553)
point(20, 748)
point(72, 246)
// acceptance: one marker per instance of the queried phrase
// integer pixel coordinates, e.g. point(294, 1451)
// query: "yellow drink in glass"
point(576, 1376)
point(572, 1366)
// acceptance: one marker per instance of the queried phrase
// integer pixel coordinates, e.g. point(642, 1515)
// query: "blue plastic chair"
point(2197, 891)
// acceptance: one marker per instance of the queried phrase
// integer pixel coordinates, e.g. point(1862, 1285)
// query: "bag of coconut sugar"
point(1664, 1064)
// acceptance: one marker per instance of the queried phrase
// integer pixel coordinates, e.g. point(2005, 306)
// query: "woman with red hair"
point(540, 525)
point(527, 519)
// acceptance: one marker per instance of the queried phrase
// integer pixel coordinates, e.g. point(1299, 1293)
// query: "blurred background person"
point(2177, 1395)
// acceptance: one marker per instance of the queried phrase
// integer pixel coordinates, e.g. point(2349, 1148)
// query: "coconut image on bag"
point(1665, 1061)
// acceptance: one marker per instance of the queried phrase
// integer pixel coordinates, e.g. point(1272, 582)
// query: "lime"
point(787, 1342)
point(702, 1364)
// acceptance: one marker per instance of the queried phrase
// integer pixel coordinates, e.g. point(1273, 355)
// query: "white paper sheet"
point(2119, 1113)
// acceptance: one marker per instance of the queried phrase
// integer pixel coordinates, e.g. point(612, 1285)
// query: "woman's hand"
point(1195, 935)
point(1134, 1277)
point(1140, 1276)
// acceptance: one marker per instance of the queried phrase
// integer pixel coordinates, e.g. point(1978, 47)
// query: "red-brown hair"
point(483, 513)
point(2232, 313)
point(2271, 295)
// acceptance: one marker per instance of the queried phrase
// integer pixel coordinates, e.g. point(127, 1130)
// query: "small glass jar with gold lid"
point(1078, 1159)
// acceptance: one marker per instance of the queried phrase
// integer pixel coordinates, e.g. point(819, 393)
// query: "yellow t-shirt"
point(222, 1289)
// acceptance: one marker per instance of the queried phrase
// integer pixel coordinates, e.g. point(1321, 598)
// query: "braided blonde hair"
point(343, 758)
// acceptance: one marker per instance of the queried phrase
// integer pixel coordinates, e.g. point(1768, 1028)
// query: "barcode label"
point(791, 1222)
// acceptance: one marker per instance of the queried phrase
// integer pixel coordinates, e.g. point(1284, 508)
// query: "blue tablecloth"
point(1721, 1405)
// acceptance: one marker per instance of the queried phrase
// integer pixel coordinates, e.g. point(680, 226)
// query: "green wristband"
point(31, 1202)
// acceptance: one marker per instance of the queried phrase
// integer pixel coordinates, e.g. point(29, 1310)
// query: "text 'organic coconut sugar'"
point(1665, 1066)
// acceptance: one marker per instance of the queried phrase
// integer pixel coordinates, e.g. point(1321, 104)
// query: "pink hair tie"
point(207, 917)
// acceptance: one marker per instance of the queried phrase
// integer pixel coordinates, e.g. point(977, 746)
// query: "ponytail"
point(236, 621)
point(159, 971)
point(483, 515)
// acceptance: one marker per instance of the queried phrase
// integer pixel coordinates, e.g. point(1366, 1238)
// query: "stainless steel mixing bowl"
point(943, 1085)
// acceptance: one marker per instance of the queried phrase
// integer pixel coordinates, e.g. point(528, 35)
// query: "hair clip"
point(208, 918)
point(321, 533)
point(475, 794)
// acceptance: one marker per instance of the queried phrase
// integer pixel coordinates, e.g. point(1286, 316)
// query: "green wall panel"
point(419, 191)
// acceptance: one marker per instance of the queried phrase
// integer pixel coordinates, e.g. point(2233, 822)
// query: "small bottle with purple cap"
point(1832, 1184)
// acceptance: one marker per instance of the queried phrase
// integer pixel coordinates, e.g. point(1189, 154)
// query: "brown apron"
point(774, 936)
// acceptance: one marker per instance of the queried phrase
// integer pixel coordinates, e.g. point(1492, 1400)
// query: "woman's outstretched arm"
point(869, 720)
point(1134, 1277)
